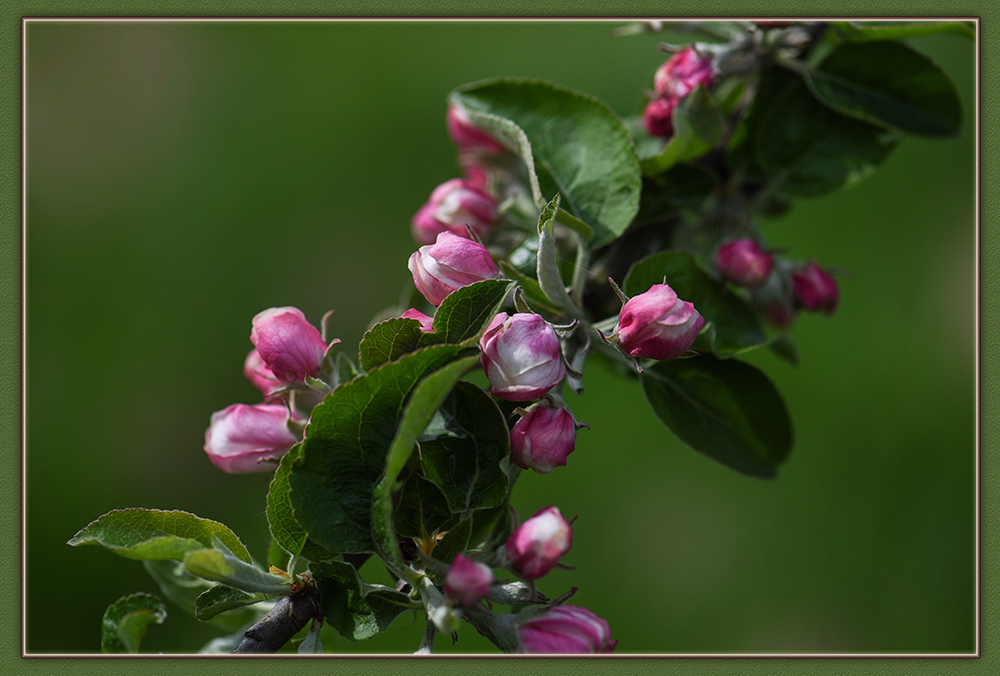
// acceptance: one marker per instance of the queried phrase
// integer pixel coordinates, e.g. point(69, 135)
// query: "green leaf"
point(464, 314)
point(221, 566)
point(454, 542)
point(698, 127)
point(153, 534)
point(126, 621)
point(387, 341)
point(357, 610)
point(344, 452)
point(220, 598)
point(866, 31)
point(462, 449)
point(784, 346)
point(549, 278)
point(422, 509)
point(725, 409)
point(804, 147)
point(578, 147)
point(284, 528)
point(532, 289)
point(735, 325)
point(906, 91)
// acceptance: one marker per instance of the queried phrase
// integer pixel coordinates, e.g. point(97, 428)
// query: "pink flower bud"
point(452, 206)
point(450, 263)
point(466, 136)
point(538, 543)
point(658, 117)
point(260, 376)
point(815, 289)
point(290, 346)
point(467, 582)
point(658, 325)
point(743, 262)
point(682, 74)
point(542, 439)
point(521, 356)
point(426, 323)
point(243, 439)
point(566, 629)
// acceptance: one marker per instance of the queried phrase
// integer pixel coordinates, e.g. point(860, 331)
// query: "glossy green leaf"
point(803, 147)
point(725, 409)
point(357, 610)
point(344, 452)
point(154, 534)
point(455, 541)
point(387, 341)
point(906, 91)
point(284, 528)
point(220, 598)
point(549, 278)
point(464, 314)
point(126, 621)
point(866, 31)
point(422, 510)
point(698, 127)
point(462, 448)
point(221, 566)
point(735, 328)
point(578, 147)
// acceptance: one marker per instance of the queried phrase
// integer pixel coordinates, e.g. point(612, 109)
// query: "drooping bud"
point(658, 116)
point(521, 356)
point(260, 376)
point(467, 136)
point(426, 323)
point(543, 438)
point(450, 263)
point(452, 206)
point(657, 324)
point(742, 262)
point(290, 346)
point(467, 582)
point(815, 289)
point(566, 629)
point(538, 543)
point(682, 74)
point(243, 439)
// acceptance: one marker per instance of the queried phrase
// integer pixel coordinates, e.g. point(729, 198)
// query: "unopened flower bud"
point(521, 356)
point(426, 323)
point(566, 629)
point(658, 325)
point(538, 543)
point(290, 346)
point(452, 206)
point(467, 582)
point(815, 289)
point(543, 438)
point(682, 74)
point(450, 263)
point(243, 439)
point(658, 116)
point(742, 262)
point(467, 136)
point(260, 376)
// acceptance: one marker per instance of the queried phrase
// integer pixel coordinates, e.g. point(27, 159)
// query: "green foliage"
point(357, 610)
point(867, 31)
point(698, 127)
point(422, 510)
point(126, 621)
point(220, 598)
point(220, 565)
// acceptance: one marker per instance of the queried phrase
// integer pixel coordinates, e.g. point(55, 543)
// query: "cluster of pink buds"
point(796, 286)
point(455, 206)
point(657, 325)
point(673, 81)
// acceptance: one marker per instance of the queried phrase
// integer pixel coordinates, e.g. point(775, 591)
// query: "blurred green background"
point(183, 176)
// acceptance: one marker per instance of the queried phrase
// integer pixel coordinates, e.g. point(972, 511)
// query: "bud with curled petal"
point(543, 438)
point(538, 543)
point(815, 289)
point(682, 74)
point(261, 377)
point(426, 323)
point(452, 206)
point(243, 439)
point(566, 629)
point(521, 356)
point(450, 263)
point(290, 346)
point(742, 262)
point(657, 324)
point(467, 582)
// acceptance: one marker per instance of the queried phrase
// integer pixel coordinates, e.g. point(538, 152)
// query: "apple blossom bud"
point(426, 323)
point(536, 545)
point(450, 263)
point(260, 376)
point(452, 206)
point(658, 117)
point(657, 324)
point(815, 289)
point(566, 629)
point(543, 438)
point(290, 346)
point(521, 356)
point(467, 582)
point(467, 136)
point(682, 74)
point(742, 262)
point(243, 439)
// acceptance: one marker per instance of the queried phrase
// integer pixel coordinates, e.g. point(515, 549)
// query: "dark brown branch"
point(281, 623)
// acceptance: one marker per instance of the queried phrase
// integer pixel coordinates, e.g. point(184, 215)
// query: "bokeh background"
point(182, 176)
